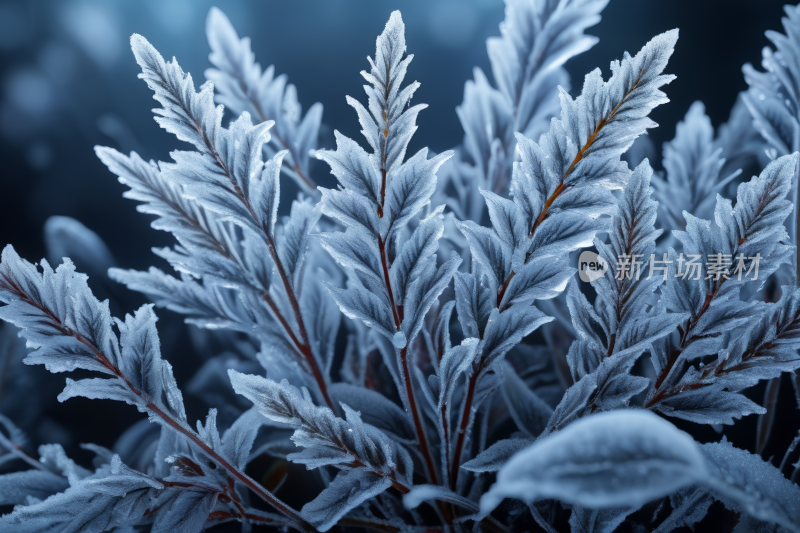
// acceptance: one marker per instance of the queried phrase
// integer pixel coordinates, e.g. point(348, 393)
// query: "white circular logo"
point(591, 266)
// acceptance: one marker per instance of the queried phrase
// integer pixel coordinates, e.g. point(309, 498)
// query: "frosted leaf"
point(366, 306)
point(266, 199)
point(348, 490)
point(430, 493)
point(493, 254)
point(394, 279)
point(67, 237)
point(410, 188)
point(542, 278)
point(321, 316)
point(351, 209)
point(505, 330)
point(529, 412)
point(242, 87)
point(506, 220)
point(109, 498)
point(496, 455)
point(353, 249)
point(584, 520)
point(238, 439)
point(416, 253)
point(771, 99)
point(624, 299)
point(693, 166)
point(456, 361)
point(183, 511)
point(192, 225)
point(754, 226)
point(558, 235)
point(201, 198)
point(318, 430)
point(689, 506)
point(474, 303)
point(423, 292)
point(71, 329)
point(293, 239)
point(527, 65)
point(746, 483)
point(16, 487)
point(610, 386)
point(212, 309)
point(710, 404)
point(376, 410)
point(44, 304)
point(98, 389)
point(605, 460)
point(53, 457)
point(190, 116)
point(552, 161)
point(352, 167)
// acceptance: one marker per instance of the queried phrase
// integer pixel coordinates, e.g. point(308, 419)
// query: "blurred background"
point(68, 82)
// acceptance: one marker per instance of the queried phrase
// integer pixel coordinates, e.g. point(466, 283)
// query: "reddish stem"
point(502, 290)
point(462, 430)
point(674, 354)
point(412, 406)
point(387, 280)
point(412, 402)
point(556, 193)
point(304, 346)
point(383, 193)
point(177, 426)
point(611, 342)
point(578, 158)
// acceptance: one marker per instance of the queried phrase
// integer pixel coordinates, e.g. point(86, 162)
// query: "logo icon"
point(591, 266)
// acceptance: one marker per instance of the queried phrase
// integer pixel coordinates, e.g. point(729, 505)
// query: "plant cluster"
point(423, 343)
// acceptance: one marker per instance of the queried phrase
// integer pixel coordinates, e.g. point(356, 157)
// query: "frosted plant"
point(242, 86)
point(772, 100)
point(693, 164)
point(538, 37)
point(434, 408)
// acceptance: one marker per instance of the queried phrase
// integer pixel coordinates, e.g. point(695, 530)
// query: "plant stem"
point(405, 368)
point(561, 187)
point(412, 406)
point(304, 346)
point(466, 416)
point(243, 478)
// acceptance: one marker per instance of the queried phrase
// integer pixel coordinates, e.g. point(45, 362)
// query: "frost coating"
point(336, 342)
point(604, 460)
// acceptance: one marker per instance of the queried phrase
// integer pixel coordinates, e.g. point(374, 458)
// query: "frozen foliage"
point(396, 342)
point(693, 164)
point(538, 37)
point(774, 102)
point(242, 87)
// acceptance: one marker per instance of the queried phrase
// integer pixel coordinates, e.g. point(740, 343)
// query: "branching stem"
point(240, 476)
point(405, 368)
point(466, 416)
point(561, 187)
point(304, 345)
